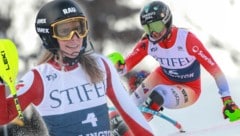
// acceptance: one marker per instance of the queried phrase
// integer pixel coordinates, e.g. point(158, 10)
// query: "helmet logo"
point(166, 17)
point(42, 21)
point(42, 30)
point(69, 10)
point(146, 9)
point(155, 8)
point(149, 15)
point(162, 15)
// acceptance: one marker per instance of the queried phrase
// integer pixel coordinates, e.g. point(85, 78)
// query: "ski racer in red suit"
point(176, 83)
point(69, 86)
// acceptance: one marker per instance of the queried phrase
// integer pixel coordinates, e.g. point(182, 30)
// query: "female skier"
point(70, 84)
point(176, 83)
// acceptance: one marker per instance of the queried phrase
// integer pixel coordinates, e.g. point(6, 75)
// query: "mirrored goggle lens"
point(65, 29)
point(157, 26)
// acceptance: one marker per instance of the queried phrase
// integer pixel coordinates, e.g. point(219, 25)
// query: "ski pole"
point(161, 115)
point(9, 69)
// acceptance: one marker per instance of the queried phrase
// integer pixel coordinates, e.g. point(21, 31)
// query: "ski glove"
point(135, 79)
point(230, 109)
point(118, 60)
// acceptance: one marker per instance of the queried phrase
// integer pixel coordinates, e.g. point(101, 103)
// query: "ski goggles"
point(65, 29)
point(156, 26)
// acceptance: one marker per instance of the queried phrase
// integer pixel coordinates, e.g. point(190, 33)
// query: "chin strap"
point(152, 40)
point(72, 61)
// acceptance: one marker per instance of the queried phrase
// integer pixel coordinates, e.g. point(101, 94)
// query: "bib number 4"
point(91, 118)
